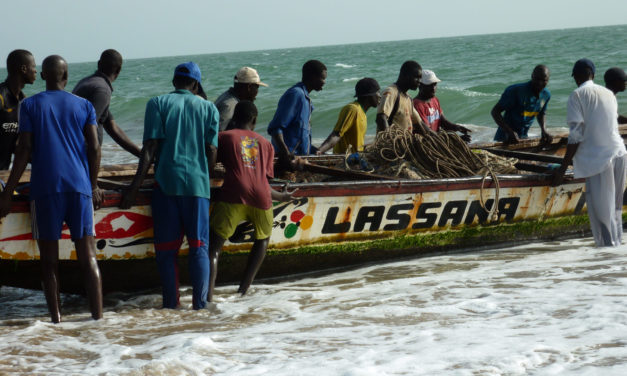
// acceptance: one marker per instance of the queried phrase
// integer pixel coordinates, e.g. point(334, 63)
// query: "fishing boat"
point(353, 219)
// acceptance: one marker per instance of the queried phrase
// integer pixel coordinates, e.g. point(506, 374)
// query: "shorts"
point(226, 216)
point(49, 212)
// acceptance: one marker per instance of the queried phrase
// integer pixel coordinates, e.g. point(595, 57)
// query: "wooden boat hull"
point(328, 225)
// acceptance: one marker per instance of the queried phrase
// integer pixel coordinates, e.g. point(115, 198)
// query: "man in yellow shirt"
point(352, 123)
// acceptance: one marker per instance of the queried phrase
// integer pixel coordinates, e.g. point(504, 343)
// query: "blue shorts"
point(49, 212)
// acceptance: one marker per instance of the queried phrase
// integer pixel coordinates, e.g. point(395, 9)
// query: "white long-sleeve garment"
point(592, 117)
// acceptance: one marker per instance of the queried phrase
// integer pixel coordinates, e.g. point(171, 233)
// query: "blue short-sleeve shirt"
point(292, 118)
point(57, 120)
point(521, 107)
point(183, 123)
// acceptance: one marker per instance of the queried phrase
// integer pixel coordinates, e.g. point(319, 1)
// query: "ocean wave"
point(344, 65)
point(472, 93)
point(350, 79)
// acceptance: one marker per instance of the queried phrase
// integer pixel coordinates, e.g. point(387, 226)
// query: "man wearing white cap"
point(428, 106)
point(245, 87)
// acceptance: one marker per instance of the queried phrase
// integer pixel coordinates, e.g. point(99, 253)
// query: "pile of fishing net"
point(409, 155)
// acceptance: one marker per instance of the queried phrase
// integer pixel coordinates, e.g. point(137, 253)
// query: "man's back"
point(248, 160)
point(226, 105)
point(183, 123)
point(592, 117)
point(57, 120)
point(97, 89)
point(292, 119)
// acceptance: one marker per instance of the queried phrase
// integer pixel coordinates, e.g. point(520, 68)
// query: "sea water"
point(474, 71)
point(542, 309)
point(547, 308)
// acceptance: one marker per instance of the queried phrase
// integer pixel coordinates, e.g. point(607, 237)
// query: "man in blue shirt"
point(58, 131)
point(181, 130)
point(522, 103)
point(290, 128)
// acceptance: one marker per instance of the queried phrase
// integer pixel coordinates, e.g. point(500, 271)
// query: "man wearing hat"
point(245, 88)
point(522, 103)
point(615, 79)
point(181, 130)
point(352, 123)
point(598, 154)
point(428, 106)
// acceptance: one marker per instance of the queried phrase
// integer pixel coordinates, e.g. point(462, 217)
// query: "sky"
point(80, 30)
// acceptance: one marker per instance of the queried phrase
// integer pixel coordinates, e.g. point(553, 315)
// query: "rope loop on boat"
point(438, 155)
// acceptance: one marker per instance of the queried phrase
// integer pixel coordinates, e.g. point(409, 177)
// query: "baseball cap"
point(248, 75)
point(429, 77)
point(189, 69)
point(615, 75)
point(582, 65)
point(366, 87)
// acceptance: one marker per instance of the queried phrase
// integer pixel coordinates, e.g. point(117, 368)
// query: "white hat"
point(248, 75)
point(429, 77)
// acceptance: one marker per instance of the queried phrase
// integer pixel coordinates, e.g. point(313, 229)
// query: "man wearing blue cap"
point(181, 130)
point(598, 154)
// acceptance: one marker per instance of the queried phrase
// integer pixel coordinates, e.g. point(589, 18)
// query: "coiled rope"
point(441, 155)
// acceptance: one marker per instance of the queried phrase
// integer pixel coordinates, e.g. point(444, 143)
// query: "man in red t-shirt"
point(245, 194)
point(428, 106)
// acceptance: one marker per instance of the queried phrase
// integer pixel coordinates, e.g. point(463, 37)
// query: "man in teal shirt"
point(181, 130)
point(522, 103)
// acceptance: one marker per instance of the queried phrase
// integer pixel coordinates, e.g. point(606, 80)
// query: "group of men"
point(60, 134)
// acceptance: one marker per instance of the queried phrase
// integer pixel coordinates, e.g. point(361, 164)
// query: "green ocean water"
point(474, 71)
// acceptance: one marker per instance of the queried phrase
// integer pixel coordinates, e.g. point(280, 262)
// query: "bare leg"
point(255, 258)
point(49, 258)
point(215, 247)
point(86, 252)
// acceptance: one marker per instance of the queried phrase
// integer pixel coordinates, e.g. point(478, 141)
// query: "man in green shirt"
point(181, 134)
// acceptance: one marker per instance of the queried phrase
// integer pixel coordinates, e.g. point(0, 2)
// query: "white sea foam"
point(472, 93)
point(551, 308)
point(344, 65)
point(350, 79)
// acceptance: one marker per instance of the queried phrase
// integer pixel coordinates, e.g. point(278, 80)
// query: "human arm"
point(382, 122)
point(22, 155)
point(576, 131)
point(452, 127)
point(286, 157)
point(419, 126)
point(558, 176)
point(146, 158)
point(118, 135)
point(212, 155)
point(90, 132)
point(496, 113)
point(330, 142)
point(546, 137)
point(283, 196)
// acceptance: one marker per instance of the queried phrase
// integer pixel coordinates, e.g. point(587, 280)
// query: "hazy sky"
point(80, 29)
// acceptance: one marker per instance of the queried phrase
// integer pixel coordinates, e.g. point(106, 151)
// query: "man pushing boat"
point(246, 193)
point(521, 103)
point(181, 135)
point(58, 133)
point(97, 89)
